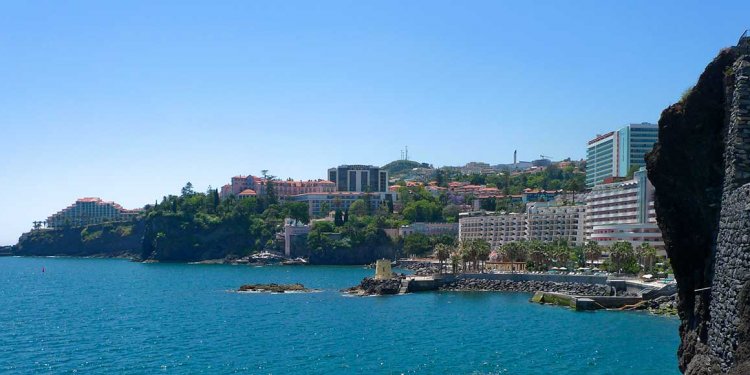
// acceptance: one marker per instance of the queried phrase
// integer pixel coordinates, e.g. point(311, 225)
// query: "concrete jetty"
point(585, 303)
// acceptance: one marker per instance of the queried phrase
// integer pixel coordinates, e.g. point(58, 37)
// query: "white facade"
point(623, 211)
point(548, 223)
point(542, 221)
point(430, 229)
point(87, 211)
point(495, 229)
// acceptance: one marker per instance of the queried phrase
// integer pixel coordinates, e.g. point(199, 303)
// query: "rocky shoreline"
point(526, 287)
point(666, 305)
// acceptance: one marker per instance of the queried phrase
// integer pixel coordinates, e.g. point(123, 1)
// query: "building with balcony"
point(496, 229)
point(430, 229)
point(614, 153)
point(623, 211)
point(86, 211)
point(544, 222)
point(547, 222)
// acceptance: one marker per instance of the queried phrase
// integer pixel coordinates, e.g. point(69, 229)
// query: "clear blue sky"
point(129, 101)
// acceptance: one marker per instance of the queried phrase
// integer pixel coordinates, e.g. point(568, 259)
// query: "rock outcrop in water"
point(273, 288)
point(374, 287)
point(701, 169)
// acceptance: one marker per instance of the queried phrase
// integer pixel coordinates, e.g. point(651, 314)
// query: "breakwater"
point(530, 286)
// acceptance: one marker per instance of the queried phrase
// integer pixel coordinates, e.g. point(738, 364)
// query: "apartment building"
point(623, 211)
point(547, 222)
point(496, 229)
point(614, 153)
point(542, 221)
point(359, 178)
point(90, 210)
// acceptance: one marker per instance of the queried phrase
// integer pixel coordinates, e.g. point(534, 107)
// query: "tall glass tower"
point(614, 154)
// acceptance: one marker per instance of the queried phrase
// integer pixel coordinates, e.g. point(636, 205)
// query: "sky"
point(128, 101)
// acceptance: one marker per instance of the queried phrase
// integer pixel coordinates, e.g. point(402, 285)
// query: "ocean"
point(119, 317)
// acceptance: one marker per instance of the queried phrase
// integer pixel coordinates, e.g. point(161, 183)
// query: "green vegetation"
point(195, 226)
point(398, 168)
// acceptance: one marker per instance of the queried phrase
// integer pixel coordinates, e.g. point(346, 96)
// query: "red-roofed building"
point(283, 188)
point(247, 193)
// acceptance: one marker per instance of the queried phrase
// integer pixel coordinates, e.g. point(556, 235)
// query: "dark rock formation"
point(699, 168)
point(273, 288)
point(102, 240)
point(370, 287)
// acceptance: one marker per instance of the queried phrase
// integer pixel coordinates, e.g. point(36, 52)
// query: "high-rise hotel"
point(614, 154)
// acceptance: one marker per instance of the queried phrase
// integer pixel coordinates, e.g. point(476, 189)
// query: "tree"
point(417, 244)
point(646, 256)
point(442, 252)
point(358, 208)
point(514, 252)
point(297, 210)
point(450, 213)
point(455, 260)
point(440, 178)
point(338, 218)
point(475, 251)
point(623, 258)
point(187, 190)
point(592, 251)
point(325, 208)
point(483, 251)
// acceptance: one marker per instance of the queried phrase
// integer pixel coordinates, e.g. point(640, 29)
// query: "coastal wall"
point(701, 169)
point(731, 279)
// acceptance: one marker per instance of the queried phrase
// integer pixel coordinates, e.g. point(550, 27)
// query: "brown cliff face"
point(687, 170)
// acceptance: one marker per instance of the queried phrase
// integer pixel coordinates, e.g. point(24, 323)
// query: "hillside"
point(399, 168)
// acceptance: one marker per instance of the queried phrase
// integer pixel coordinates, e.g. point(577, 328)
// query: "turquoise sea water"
point(115, 316)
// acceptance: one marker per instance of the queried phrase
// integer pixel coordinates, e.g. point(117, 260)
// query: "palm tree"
point(592, 251)
point(442, 252)
point(621, 254)
point(538, 253)
point(515, 252)
point(455, 259)
point(646, 255)
point(483, 251)
point(469, 252)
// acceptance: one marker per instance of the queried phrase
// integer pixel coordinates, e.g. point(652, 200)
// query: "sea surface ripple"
point(115, 316)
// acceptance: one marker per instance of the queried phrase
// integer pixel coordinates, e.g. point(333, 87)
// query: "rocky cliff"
point(106, 240)
point(700, 168)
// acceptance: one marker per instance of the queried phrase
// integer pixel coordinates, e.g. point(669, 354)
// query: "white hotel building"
point(619, 211)
point(548, 223)
point(497, 229)
point(623, 211)
point(542, 221)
